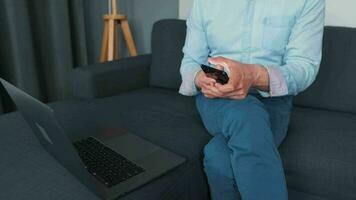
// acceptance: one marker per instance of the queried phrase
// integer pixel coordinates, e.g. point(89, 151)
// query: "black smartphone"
point(219, 75)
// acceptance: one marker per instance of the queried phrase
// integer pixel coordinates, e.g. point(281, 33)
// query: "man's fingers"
point(211, 89)
point(227, 93)
point(216, 91)
point(218, 85)
point(208, 93)
point(208, 81)
point(235, 93)
point(209, 96)
point(241, 94)
point(227, 88)
point(238, 97)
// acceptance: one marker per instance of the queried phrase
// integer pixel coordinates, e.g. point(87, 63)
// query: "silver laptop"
point(110, 165)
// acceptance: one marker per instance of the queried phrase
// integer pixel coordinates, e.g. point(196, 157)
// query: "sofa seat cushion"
point(295, 195)
point(163, 117)
point(319, 153)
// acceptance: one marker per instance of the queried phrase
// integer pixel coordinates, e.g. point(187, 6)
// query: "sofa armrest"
point(107, 79)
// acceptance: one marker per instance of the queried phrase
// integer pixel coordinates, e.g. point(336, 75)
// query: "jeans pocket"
point(276, 32)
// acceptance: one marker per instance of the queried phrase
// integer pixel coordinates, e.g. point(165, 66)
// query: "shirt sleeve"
point(195, 51)
point(303, 53)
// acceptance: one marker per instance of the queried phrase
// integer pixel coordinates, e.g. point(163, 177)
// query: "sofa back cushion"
point(335, 86)
point(168, 38)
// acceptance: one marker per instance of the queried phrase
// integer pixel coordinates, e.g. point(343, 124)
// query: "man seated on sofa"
point(271, 50)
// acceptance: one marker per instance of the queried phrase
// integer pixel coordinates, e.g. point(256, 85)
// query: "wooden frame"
point(110, 43)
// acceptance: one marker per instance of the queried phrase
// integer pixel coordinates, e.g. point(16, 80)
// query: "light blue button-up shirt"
point(285, 36)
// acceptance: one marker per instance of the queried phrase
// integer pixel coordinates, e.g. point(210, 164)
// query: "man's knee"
point(247, 127)
point(217, 157)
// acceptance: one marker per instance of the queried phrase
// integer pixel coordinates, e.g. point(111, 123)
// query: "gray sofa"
point(140, 94)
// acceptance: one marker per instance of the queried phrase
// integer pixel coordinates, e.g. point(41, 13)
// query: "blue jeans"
point(242, 157)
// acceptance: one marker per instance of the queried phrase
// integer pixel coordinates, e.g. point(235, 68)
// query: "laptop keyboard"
point(108, 166)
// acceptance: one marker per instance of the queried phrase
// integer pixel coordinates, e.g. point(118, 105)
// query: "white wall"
point(338, 12)
point(341, 13)
point(184, 8)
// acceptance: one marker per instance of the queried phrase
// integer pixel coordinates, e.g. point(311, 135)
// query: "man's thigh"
point(216, 112)
point(213, 112)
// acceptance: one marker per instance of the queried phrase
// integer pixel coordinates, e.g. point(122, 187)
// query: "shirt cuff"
point(277, 83)
point(188, 87)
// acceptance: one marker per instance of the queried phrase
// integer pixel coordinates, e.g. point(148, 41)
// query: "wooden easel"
point(110, 46)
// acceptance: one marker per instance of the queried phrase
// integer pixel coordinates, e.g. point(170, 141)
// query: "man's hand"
point(241, 78)
point(207, 86)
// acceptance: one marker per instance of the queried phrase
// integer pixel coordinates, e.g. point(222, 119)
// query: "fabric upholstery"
point(334, 88)
point(295, 195)
point(110, 78)
point(167, 43)
point(319, 153)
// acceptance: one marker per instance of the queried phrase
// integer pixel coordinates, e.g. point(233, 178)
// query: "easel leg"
point(111, 40)
point(116, 49)
point(104, 44)
point(128, 37)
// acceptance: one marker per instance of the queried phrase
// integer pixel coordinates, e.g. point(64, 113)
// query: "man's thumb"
point(219, 67)
point(214, 60)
